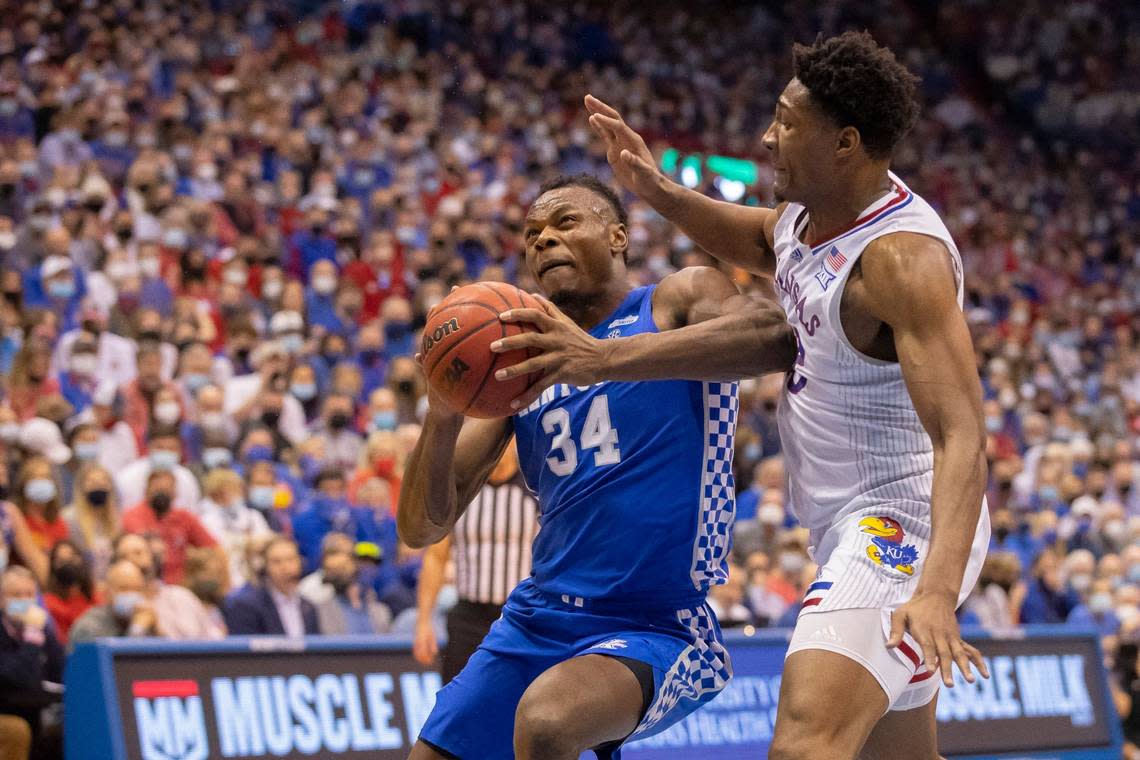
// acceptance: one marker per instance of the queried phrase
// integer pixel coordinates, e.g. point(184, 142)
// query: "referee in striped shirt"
point(491, 547)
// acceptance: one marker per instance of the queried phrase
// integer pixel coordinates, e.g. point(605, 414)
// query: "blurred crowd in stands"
point(222, 225)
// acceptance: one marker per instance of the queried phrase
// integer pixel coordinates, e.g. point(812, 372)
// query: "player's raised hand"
point(629, 156)
point(569, 353)
point(929, 618)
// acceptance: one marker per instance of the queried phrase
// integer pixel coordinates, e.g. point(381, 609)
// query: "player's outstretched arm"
point(739, 235)
point(450, 463)
point(910, 285)
point(709, 331)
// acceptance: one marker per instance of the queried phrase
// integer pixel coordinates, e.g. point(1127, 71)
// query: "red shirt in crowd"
point(178, 530)
point(45, 533)
point(65, 611)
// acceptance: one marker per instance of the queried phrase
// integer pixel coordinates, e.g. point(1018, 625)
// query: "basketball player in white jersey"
point(880, 419)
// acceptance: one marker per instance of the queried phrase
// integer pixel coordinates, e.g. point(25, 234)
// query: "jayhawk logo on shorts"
point(886, 547)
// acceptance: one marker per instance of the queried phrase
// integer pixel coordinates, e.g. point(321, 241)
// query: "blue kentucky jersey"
point(634, 481)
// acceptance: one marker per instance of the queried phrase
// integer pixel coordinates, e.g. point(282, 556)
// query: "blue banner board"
point(340, 697)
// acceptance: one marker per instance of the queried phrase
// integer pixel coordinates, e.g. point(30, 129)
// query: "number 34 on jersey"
point(597, 434)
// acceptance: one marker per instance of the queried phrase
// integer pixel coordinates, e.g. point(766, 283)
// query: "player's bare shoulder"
point(691, 295)
point(906, 271)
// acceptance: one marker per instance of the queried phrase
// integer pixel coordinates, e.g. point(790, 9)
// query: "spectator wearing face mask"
point(30, 658)
point(264, 493)
point(178, 528)
point(165, 446)
point(1096, 609)
point(226, 515)
point(1047, 600)
point(179, 612)
point(210, 428)
point(352, 608)
point(320, 296)
point(117, 446)
point(303, 387)
point(39, 501)
point(83, 440)
point(380, 458)
point(126, 611)
point(93, 517)
point(166, 411)
point(78, 379)
point(56, 285)
point(70, 590)
point(767, 475)
point(114, 354)
point(288, 329)
point(341, 444)
point(329, 511)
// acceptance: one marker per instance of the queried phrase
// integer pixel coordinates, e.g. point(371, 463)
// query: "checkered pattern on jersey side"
point(718, 491)
point(699, 672)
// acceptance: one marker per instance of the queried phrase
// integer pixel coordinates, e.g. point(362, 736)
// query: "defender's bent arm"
point(709, 331)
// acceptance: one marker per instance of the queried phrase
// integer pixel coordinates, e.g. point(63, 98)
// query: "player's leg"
point(828, 705)
point(839, 680)
point(580, 704)
point(919, 727)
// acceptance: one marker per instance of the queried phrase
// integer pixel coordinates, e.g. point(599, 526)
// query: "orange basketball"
point(456, 349)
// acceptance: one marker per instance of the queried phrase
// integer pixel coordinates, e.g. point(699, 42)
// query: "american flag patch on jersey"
point(834, 260)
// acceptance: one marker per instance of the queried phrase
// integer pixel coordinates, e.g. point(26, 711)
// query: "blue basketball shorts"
point(474, 714)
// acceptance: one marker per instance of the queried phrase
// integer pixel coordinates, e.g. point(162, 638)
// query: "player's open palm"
point(629, 156)
point(929, 618)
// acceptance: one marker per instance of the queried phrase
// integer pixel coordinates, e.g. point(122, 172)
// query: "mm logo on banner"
point(170, 720)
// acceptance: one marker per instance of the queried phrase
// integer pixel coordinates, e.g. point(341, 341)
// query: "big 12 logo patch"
point(170, 720)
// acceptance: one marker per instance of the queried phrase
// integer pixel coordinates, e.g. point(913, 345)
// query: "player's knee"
point(543, 728)
point(803, 732)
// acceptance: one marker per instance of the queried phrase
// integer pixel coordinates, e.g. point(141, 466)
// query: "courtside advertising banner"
point(357, 698)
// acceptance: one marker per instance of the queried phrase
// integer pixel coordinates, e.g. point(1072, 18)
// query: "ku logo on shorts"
point(886, 548)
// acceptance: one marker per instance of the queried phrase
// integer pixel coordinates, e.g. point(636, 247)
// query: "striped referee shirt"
point(492, 541)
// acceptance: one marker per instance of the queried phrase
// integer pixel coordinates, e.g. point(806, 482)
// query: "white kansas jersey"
point(849, 431)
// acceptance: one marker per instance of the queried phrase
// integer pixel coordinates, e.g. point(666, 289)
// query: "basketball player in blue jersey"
point(611, 637)
point(880, 421)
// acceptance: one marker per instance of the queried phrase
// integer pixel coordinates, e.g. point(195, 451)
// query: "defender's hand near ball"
point(569, 354)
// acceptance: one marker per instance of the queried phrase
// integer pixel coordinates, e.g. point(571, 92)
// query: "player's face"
point(802, 140)
point(571, 242)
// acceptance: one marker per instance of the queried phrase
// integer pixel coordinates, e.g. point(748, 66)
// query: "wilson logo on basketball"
point(441, 332)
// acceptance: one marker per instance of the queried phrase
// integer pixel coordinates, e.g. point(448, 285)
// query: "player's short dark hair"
point(858, 83)
point(593, 184)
